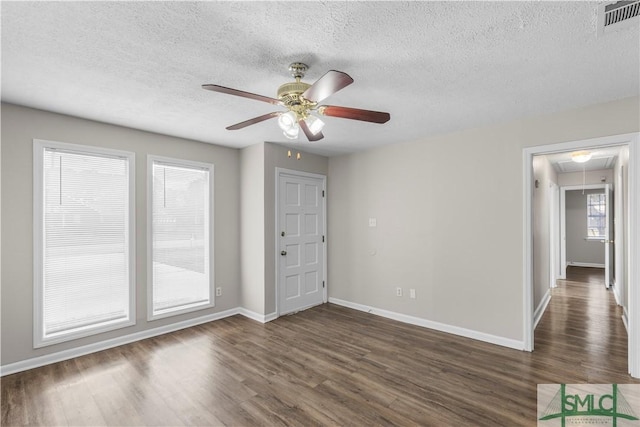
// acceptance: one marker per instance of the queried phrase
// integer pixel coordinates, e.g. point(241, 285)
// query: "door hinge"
point(322, 193)
point(323, 283)
point(322, 239)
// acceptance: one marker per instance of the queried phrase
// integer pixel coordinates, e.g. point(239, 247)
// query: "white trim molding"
point(633, 301)
point(430, 324)
point(40, 336)
point(60, 356)
point(584, 264)
point(47, 359)
point(542, 307)
point(262, 318)
point(625, 319)
point(632, 140)
point(563, 221)
point(325, 276)
point(209, 223)
point(616, 294)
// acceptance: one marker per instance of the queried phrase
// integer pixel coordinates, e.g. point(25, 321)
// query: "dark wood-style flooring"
point(328, 366)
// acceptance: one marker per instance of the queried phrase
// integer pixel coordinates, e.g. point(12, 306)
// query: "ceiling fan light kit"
point(301, 99)
point(289, 125)
point(288, 122)
point(315, 124)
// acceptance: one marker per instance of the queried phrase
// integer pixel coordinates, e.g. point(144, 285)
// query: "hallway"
point(583, 326)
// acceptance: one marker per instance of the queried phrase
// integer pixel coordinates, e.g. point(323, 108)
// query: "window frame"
point(39, 147)
point(171, 161)
point(604, 217)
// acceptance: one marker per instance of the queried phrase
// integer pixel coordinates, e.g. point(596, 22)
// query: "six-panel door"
point(301, 221)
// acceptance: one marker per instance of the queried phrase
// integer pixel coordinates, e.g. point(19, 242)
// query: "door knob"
point(283, 253)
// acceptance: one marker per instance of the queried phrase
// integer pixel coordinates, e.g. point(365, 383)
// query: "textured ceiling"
point(435, 66)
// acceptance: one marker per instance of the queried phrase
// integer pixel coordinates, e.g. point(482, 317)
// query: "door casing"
point(280, 172)
point(554, 236)
point(632, 140)
point(563, 220)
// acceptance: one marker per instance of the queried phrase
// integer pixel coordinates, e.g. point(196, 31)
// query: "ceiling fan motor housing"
point(289, 94)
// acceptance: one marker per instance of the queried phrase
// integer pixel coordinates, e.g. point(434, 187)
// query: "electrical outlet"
point(398, 292)
point(412, 293)
point(218, 292)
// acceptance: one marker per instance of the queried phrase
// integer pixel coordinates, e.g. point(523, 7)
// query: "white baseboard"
point(616, 293)
point(537, 314)
point(262, 318)
point(36, 362)
point(585, 264)
point(455, 330)
point(625, 318)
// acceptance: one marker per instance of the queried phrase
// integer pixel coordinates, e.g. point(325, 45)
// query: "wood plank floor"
point(326, 366)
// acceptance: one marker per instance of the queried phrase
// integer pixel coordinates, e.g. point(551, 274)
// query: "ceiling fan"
point(301, 99)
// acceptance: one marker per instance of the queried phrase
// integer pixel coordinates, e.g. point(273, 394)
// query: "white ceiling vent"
point(617, 15)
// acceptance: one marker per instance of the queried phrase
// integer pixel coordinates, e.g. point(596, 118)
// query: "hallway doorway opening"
point(533, 281)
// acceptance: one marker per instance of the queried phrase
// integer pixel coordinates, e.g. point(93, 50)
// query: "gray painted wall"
point(450, 218)
point(252, 227)
point(258, 171)
point(19, 127)
point(276, 157)
point(463, 255)
point(578, 249)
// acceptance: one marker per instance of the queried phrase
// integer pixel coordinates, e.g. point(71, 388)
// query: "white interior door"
point(301, 282)
point(609, 261)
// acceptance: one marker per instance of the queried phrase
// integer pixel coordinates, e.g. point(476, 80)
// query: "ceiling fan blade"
point(254, 121)
point(236, 92)
point(327, 85)
point(310, 136)
point(354, 114)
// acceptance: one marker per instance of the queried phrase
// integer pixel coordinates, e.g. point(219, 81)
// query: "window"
point(596, 216)
point(83, 247)
point(180, 224)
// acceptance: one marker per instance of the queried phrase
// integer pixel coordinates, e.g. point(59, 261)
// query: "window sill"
point(161, 314)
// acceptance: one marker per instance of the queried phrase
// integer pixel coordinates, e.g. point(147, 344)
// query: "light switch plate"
point(372, 222)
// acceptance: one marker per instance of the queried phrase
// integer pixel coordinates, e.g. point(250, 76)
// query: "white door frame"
point(563, 220)
point(280, 172)
point(619, 246)
point(609, 262)
point(554, 235)
point(632, 140)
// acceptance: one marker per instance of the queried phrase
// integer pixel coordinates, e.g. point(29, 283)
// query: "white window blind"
point(83, 277)
point(180, 237)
